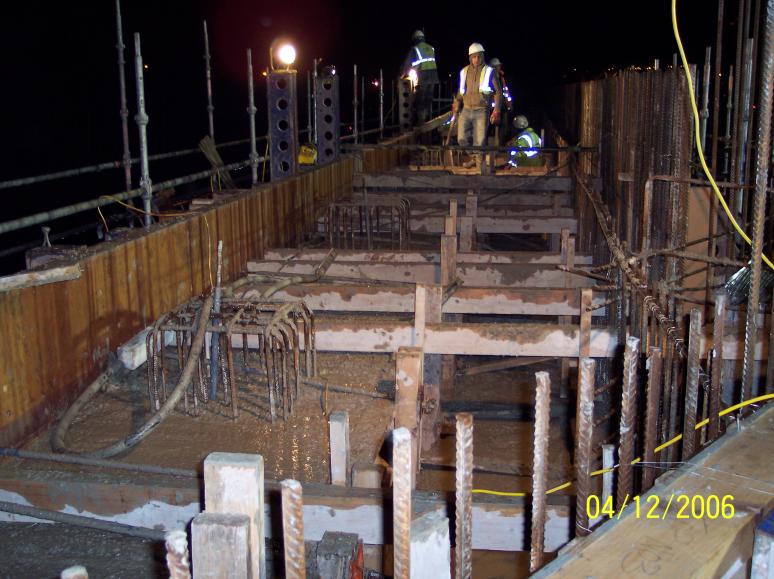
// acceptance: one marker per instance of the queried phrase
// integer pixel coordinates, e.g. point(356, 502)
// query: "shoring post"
point(381, 104)
point(402, 481)
point(763, 139)
point(208, 77)
point(540, 469)
point(251, 110)
point(176, 543)
point(354, 111)
point(463, 509)
point(293, 529)
point(652, 404)
point(141, 118)
point(716, 370)
point(126, 161)
point(584, 439)
point(692, 384)
point(628, 419)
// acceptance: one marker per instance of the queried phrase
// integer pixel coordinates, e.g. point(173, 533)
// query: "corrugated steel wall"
point(56, 338)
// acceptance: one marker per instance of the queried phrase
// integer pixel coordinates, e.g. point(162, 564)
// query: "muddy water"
point(296, 448)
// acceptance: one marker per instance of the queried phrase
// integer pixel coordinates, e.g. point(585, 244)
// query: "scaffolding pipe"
point(68, 210)
point(251, 110)
point(81, 521)
point(381, 104)
point(354, 104)
point(315, 62)
point(759, 209)
point(208, 77)
point(463, 506)
point(293, 529)
point(308, 104)
point(127, 161)
point(705, 97)
point(142, 123)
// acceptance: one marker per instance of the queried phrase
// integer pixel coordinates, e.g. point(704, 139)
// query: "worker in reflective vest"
point(479, 86)
point(528, 142)
point(420, 67)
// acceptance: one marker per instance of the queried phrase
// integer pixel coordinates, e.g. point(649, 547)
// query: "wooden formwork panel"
point(56, 338)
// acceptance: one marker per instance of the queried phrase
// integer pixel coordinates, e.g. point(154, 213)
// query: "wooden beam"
point(388, 256)
point(436, 224)
point(41, 277)
point(220, 546)
point(338, 426)
point(500, 523)
point(441, 180)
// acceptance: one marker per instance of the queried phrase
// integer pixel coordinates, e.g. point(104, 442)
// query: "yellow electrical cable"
point(656, 450)
point(695, 110)
point(178, 214)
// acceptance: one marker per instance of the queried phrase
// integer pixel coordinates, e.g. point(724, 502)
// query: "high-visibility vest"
point(424, 57)
point(529, 138)
point(484, 80)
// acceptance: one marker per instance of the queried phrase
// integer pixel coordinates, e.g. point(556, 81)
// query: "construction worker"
point(420, 67)
point(479, 86)
point(529, 143)
point(506, 103)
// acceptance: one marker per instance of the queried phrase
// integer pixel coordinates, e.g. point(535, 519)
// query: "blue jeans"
point(473, 123)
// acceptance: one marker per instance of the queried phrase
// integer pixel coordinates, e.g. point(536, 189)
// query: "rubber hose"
point(58, 438)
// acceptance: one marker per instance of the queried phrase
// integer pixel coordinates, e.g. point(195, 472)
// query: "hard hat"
point(495, 62)
point(418, 35)
point(520, 122)
point(475, 48)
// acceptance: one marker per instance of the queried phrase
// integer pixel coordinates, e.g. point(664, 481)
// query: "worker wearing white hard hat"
point(478, 87)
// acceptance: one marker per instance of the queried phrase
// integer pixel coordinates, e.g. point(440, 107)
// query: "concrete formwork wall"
point(56, 338)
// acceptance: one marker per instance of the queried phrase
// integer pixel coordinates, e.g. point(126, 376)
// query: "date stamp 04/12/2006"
point(656, 507)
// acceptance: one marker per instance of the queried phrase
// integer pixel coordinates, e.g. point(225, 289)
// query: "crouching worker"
point(525, 151)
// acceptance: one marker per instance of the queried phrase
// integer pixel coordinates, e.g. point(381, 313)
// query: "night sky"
point(60, 80)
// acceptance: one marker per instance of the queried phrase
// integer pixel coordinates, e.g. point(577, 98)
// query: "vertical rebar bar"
point(716, 378)
point(177, 555)
point(705, 96)
point(652, 401)
point(126, 160)
point(402, 473)
point(584, 440)
point(293, 529)
point(214, 338)
point(141, 118)
point(354, 104)
point(692, 384)
point(208, 77)
point(251, 116)
point(540, 469)
point(463, 509)
point(628, 420)
point(727, 138)
point(759, 206)
point(381, 104)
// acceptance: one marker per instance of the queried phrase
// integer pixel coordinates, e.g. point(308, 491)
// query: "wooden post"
point(448, 259)
point(471, 204)
point(220, 546)
point(233, 484)
point(540, 469)
point(568, 258)
point(408, 376)
point(428, 310)
point(467, 234)
point(338, 426)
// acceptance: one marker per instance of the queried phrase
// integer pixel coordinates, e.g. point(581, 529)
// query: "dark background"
point(60, 95)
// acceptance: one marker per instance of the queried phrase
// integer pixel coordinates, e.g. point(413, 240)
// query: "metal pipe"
point(705, 97)
point(742, 160)
point(463, 506)
point(729, 122)
point(293, 529)
point(315, 61)
point(208, 77)
point(628, 421)
point(381, 104)
point(81, 521)
point(540, 469)
point(584, 440)
point(251, 110)
point(716, 378)
point(354, 104)
point(176, 543)
point(45, 216)
point(652, 404)
point(215, 337)
point(141, 118)
point(759, 208)
point(692, 384)
point(308, 103)
point(126, 163)
point(362, 100)
point(402, 477)
point(716, 99)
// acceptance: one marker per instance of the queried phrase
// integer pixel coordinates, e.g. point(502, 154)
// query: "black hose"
point(58, 437)
point(80, 521)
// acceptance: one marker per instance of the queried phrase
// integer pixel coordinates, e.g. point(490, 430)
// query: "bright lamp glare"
point(287, 54)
